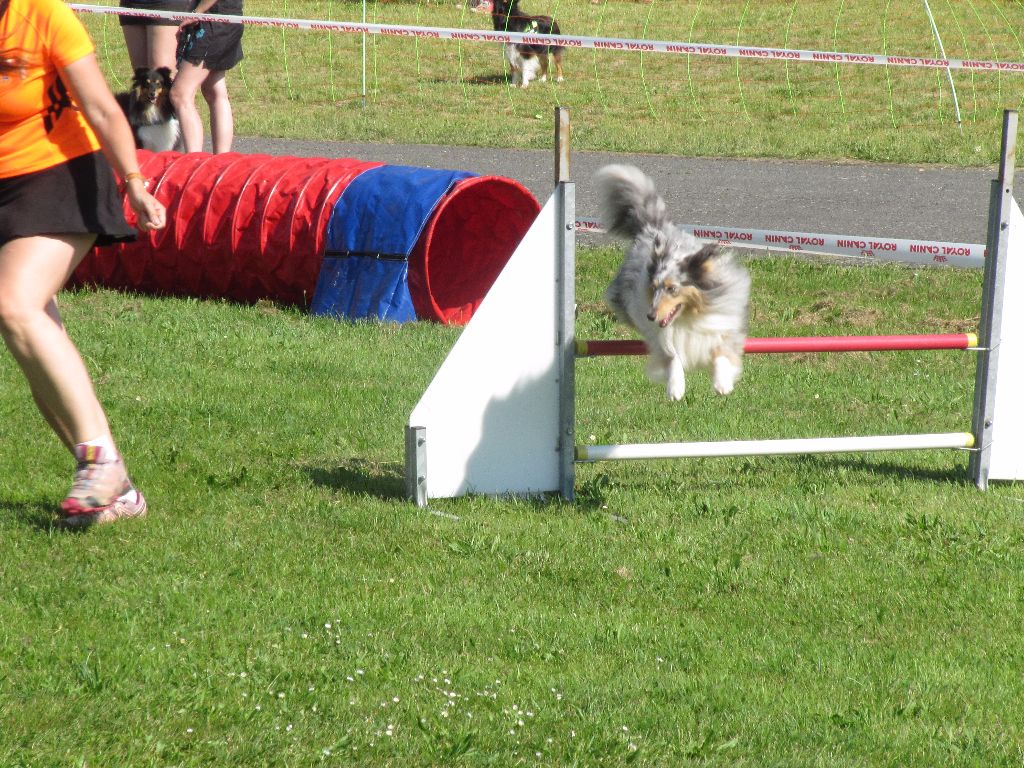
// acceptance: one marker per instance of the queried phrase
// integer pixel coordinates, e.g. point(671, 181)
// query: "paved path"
point(917, 203)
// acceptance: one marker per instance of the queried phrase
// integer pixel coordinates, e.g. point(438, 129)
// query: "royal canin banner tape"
point(857, 246)
point(571, 41)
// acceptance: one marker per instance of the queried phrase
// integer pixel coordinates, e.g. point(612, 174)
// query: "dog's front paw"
point(560, 79)
point(725, 375)
point(676, 385)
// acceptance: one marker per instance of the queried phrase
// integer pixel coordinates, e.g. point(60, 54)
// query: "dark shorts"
point(76, 197)
point(215, 44)
point(178, 6)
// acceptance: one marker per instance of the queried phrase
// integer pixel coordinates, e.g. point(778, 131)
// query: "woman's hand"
point(150, 212)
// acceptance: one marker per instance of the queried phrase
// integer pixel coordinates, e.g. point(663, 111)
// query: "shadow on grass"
point(385, 480)
point(494, 79)
point(37, 514)
point(889, 468)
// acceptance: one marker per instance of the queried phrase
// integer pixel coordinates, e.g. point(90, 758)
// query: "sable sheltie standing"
point(147, 105)
point(526, 61)
point(689, 301)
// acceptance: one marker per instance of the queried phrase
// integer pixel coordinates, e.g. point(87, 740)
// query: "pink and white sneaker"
point(101, 491)
point(129, 505)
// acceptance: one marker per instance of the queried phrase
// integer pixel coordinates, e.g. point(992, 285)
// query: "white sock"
point(106, 451)
point(101, 442)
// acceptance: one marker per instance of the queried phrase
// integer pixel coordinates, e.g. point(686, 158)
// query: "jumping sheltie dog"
point(147, 105)
point(689, 301)
point(526, 61)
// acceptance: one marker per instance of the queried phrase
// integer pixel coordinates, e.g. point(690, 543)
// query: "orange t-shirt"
point(40, 127)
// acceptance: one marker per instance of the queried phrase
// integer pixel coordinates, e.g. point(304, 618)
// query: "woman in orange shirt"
point(61, 131)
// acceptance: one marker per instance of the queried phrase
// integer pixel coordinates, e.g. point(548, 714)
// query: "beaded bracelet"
point(134, 175)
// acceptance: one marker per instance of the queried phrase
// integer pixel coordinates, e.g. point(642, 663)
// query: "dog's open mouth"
point(667, 319)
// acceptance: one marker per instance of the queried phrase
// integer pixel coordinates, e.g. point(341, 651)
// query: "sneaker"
point(100, 480)
point(128, 505)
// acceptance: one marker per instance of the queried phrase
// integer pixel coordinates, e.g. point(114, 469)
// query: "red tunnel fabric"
point(465, 245)
point(250, 227)
point(242, 227)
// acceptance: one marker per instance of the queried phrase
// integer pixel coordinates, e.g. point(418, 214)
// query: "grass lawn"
point(283, 605)
point(305, 84)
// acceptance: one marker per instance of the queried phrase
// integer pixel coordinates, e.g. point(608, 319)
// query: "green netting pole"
point(949, 74)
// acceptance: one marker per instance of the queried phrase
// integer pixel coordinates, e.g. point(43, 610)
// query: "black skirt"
point(178, 6)
point(77, 197)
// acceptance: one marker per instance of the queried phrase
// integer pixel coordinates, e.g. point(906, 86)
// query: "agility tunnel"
point(341, 236)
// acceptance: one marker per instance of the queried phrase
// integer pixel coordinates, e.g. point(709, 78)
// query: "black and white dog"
point(150, 114)
point(526, 61)
point(689, 301)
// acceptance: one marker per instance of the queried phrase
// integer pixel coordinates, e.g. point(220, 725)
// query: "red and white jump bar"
point(923, 341)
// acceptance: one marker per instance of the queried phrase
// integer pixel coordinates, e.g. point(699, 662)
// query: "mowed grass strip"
point(323, 85)
point(283, 604)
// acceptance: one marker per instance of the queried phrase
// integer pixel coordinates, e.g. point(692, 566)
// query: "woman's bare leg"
point(32, 270)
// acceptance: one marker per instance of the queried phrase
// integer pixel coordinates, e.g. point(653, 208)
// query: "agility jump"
point(499, 416)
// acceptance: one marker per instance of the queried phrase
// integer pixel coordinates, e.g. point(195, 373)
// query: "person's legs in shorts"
point(183, 96)
point(32, 271)
point(222, 121)
point(136, 40)
point(151, 45)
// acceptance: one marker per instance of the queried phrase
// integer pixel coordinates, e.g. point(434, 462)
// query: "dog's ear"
point(700, 266)
point(165, 72)
point(140, 72)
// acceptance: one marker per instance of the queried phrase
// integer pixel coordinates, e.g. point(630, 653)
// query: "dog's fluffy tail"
point(629, 200)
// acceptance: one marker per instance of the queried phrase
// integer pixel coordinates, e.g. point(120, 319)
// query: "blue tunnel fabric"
point(373, 228)
point(360, 287)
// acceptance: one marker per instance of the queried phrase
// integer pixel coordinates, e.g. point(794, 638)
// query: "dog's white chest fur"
point(160, 137)
point(524, 68)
